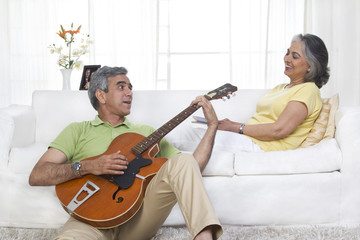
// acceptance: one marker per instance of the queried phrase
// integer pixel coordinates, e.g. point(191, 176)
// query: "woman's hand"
point(228, 125)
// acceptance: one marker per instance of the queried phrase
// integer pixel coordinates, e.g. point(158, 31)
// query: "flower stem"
point(70, 52)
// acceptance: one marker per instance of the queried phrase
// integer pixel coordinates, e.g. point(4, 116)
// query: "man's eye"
point(121, 87)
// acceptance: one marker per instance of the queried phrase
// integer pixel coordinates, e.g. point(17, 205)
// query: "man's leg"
point(178, 180)
point(76, 230)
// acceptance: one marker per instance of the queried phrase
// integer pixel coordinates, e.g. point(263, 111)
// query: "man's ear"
point(100, 95)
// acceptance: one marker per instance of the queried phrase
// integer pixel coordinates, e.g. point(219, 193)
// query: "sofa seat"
point(324, 157)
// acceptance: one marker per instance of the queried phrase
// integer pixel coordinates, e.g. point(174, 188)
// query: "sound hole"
point(120, 199)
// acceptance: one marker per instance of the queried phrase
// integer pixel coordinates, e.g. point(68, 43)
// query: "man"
point(178, 180)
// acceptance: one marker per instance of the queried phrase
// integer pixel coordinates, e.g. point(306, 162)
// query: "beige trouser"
point(178, 180)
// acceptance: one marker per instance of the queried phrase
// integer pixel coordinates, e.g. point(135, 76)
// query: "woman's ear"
point(100, 95)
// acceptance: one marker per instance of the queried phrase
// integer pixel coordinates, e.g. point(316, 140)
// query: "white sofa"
point(314, 185)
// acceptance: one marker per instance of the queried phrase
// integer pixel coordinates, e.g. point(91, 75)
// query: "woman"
point(285, 116)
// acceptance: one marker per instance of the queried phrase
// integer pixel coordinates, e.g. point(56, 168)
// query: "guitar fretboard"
point(163, 130)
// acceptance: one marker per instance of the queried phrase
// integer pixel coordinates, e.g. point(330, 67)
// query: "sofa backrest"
point(54, 110)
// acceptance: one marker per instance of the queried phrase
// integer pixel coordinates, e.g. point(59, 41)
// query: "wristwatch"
point(76, 168)
point(241, 128)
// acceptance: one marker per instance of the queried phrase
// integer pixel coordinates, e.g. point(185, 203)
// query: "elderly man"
point(178, 180)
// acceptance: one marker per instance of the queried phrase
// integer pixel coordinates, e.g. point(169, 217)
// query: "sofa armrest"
point(23, 118)
point(6, 133)
point(17, 129)
point(348, 137)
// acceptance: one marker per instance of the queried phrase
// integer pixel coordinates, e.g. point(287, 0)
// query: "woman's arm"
point(292, 116)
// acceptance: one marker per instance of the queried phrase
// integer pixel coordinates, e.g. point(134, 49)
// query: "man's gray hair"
point(98, 80)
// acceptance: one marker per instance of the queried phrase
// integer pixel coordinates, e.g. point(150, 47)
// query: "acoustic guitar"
point(107, 201)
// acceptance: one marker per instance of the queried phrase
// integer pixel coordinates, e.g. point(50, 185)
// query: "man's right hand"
point(113, 164)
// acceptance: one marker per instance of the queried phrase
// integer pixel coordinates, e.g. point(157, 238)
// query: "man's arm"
point(52, 168)
point(203, 151)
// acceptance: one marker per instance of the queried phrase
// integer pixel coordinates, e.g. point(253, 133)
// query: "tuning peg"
point(224, 98)
point(233, 94)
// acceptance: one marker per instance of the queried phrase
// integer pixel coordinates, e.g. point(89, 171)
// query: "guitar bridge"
point(89, 188)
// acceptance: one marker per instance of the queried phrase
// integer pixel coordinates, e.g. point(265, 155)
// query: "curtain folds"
point(337, 22)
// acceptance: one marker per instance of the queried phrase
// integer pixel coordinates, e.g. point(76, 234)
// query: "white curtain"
point(28, 27)
point(337, 22)
point(127, 33)
point(124, 34)
point(216, 41)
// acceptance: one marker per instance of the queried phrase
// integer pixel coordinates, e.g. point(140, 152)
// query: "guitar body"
point(103, 209)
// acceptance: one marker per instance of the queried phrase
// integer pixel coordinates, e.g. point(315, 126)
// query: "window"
point(205, 43)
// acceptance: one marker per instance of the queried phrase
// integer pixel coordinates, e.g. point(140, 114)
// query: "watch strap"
point(241, 128)
point(76, 168)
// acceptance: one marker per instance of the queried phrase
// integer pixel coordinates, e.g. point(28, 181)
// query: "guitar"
point(107, 201)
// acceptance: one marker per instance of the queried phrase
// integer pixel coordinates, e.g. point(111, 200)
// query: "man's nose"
point(128, 91)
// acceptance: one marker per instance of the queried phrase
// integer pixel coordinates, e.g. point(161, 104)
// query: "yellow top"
point(270, 107)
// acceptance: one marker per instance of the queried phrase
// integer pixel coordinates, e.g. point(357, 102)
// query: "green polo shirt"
point(81, 140)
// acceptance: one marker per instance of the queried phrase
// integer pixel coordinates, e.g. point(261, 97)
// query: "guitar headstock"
point(225, 91)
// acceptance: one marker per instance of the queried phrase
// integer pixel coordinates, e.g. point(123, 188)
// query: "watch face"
point(76, 166)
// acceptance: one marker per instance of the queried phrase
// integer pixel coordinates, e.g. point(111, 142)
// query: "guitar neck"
point(163, 130)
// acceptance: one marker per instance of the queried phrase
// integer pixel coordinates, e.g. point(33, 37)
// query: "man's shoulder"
point(79, 125)
point(136, 125)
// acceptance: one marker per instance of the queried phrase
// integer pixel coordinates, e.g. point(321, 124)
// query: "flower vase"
point(66, 73)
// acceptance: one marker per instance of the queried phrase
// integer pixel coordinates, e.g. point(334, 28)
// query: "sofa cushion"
point(186, 138)
point(322, 157)
point(22, 160)
point(221, 163)
point(324, 126)
point(330, 129)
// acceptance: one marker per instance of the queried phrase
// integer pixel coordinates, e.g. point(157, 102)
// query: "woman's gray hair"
point(316, 55)
point(98, 80)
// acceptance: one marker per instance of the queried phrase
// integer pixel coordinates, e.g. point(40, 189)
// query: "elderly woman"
point(285, 116)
